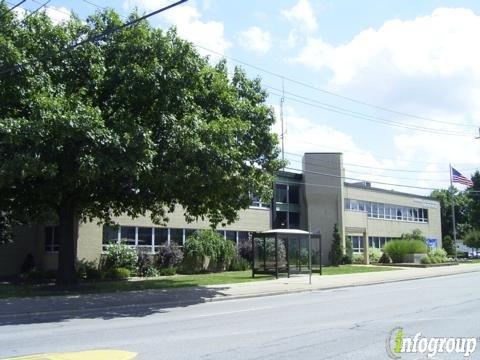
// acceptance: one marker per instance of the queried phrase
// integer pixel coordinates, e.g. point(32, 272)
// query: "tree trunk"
point(67, 255)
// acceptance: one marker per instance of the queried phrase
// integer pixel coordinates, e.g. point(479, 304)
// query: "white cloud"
point(302, 15)
point(428, 66)
point(58, 14)
point(255, 39)
point(190, 25)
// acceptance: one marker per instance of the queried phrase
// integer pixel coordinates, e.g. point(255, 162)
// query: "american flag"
point(459, 178)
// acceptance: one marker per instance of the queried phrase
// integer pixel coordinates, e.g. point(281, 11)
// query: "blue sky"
point(418, 58)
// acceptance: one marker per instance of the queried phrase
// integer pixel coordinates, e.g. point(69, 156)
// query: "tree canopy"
point(135, 122)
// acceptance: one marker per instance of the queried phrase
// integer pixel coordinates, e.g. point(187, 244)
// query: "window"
point(127, 235)
point(293, 194)
point(176, 236)
point(357, 243)
point(222, 233)
point(381, 211)
point(161, 237)
point(110, 235)
point(243, 236)
point(231, 235)
point(145, 237)
point(294, 220)
point(51, 239)
point(388, 211)
point(281, 220)
point(281, 193)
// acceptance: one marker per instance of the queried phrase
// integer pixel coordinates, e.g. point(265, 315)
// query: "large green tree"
point(134, 122)
point(462, 211)
point(473, 194)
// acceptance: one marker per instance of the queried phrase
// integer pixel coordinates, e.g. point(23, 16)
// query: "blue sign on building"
point(432, 243)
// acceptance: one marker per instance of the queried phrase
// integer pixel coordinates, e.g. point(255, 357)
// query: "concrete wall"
point(393, 228)
point(324, 195)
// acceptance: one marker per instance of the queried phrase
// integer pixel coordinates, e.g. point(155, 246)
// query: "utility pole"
point(453, 214)
point(478, 137)
point(284, 130)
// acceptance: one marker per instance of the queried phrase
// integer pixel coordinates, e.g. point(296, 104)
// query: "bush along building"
point(315, 199)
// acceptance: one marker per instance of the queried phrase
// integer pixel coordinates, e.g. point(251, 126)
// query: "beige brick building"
point(316, 199)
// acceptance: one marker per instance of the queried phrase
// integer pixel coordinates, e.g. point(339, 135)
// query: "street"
point(348, 323)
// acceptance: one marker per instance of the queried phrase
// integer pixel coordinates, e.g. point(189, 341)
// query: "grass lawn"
point(354, 269)
point(176, 281)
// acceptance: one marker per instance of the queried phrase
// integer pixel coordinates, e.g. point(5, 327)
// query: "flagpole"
point(453, 214)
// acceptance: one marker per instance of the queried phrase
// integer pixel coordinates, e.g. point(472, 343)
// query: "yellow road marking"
point(82, 355)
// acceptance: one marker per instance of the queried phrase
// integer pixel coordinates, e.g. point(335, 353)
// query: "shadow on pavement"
point(49, 309)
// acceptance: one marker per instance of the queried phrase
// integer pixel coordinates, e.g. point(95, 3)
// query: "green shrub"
point(118, 273)
point(398, 249)
point(145, 262)
point(245, 249)
point(151, 271)
point(168, 271)
point(437, 256)
point(227, 252)
point(447, 245)
point(472, 239)
point(87, 269)
point(374, 254)
point(358, 258)
point(169, 256)
point(347, 258)
point(385, 259)
point(425, 260)
point(209, 244)
point(336, 251)
point(120, 256)
point(239, 264)
point(28, 264)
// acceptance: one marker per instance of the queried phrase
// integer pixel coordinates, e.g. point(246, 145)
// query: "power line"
point(353, 114)
point(12, 8)
point(361, 180)
point(96, 37)
point(301, 83)
point(388, 169)
point(360, 115)
point(283, 77)
point(316, 166)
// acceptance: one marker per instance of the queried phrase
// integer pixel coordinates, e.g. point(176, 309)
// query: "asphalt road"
point(349, 323)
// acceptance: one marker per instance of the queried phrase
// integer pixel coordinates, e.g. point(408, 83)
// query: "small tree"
point(447, 245)
point(336, 251)
point(348, 257)
point(472, 239)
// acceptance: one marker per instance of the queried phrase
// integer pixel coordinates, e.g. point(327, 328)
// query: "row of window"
point(143, 237)
point(154, 237)
point(388, 211)
point(373, 241)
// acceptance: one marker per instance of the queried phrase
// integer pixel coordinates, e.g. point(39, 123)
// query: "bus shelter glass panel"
point(264, 254)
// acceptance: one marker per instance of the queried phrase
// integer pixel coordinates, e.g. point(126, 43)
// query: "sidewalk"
point(142, 303)
point(300, 283)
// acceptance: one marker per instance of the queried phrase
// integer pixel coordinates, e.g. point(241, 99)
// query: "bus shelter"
point(286, 251)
